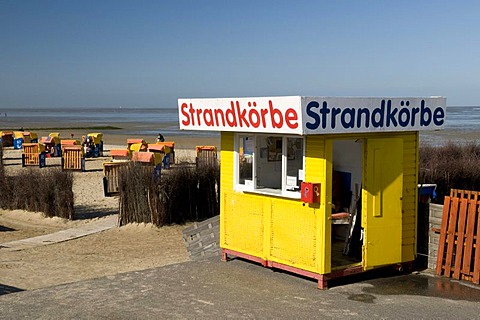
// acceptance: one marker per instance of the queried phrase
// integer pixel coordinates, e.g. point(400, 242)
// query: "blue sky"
point(150, 53)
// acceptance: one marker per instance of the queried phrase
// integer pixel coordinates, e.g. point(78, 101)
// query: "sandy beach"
point(120, 249)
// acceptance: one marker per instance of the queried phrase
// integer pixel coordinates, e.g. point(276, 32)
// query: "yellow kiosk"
point(319, 186)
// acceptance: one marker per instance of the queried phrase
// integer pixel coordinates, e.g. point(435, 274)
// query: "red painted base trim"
point(321, 278)
point(301, 272)
point(226, 252)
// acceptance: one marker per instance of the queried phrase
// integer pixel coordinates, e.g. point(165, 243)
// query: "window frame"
point(252, 188)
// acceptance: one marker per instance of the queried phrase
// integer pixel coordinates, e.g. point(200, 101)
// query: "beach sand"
point(121, 249)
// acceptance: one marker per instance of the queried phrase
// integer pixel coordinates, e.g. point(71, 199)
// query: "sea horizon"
point(460, 121)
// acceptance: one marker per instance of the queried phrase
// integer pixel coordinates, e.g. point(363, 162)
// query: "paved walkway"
point(212, 289)
point(105, 223)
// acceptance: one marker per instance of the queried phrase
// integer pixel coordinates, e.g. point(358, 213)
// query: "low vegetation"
point(46, 190)
point(183, 193)
point(450, 166)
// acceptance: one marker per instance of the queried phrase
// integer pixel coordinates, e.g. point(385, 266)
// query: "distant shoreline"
point(52, 129)
point(441, 137)
point(118, 132)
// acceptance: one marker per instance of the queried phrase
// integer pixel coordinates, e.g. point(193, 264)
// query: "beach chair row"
point(34, 154)
point(161, 151)
point(153, 157)
point(72, 151)
point(17, 138)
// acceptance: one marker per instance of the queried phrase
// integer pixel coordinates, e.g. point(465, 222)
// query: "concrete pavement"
point(212, 289)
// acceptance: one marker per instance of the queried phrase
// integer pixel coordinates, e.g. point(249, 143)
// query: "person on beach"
point(88, 146)
point(160, 138)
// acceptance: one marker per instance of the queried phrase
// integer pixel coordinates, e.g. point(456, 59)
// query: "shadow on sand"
point(90, 212)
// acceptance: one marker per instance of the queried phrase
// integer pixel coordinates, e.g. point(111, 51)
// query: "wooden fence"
point(458, 248)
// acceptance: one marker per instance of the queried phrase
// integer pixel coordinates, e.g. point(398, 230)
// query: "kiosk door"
point(382, 202)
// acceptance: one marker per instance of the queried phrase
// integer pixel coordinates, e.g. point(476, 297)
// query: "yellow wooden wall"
point(296, 234)
point(410, 195)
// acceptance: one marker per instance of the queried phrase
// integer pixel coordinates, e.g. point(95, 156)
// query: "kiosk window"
point(245, 159)
point(269, 164)
point(294, 163)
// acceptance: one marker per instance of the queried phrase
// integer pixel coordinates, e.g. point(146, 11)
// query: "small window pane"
point(294, 163)
point(269, 162)
point(246, 147)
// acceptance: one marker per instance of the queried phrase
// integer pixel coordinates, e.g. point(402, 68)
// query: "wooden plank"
point(476, 267)
point(208, 252)
point(443, 235)
point(408, 220)
point(452, 224)
point(408, 241)
point(195, 237)
point(454, 193)
point(200, 245)
point(460, 238)
point(202, 225)
point(203, 238)
point(467, 254)
point(211, 225)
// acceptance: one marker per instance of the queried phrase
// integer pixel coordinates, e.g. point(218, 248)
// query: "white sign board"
point(346, 115)
point(275, 115)
point(312, 115)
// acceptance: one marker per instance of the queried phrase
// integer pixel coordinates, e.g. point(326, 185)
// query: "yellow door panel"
point(382, 204)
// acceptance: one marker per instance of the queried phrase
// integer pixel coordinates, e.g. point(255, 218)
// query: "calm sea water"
point(463, 118)
point(135, 121)
point(149, 121)
point(91, 115)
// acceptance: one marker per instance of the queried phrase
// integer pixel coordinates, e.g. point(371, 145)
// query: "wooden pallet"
point(202, 238)
point(458, 248)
